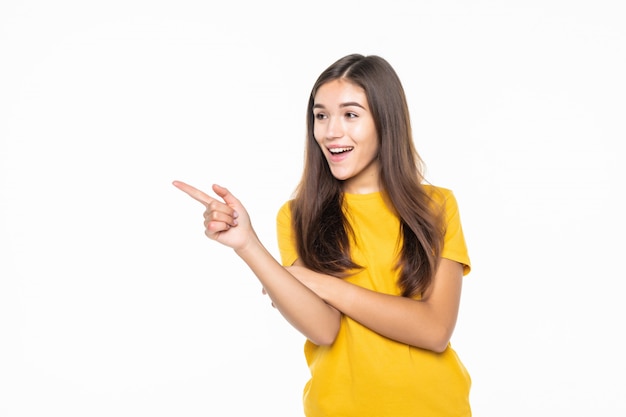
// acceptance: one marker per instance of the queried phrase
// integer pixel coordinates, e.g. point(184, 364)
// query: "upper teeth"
point(340, 150)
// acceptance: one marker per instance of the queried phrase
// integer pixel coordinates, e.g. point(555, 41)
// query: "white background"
point(112, 301)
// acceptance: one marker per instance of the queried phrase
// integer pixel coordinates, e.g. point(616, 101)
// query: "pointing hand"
point(225, 221)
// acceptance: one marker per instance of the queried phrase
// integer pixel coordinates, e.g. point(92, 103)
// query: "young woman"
point(372, 257)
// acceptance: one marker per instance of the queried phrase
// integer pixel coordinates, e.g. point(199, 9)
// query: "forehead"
point(338, 92)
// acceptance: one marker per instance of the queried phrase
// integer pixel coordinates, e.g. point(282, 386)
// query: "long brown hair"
point(321, 228)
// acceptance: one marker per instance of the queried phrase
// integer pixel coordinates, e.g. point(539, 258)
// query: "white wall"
point(112, 301)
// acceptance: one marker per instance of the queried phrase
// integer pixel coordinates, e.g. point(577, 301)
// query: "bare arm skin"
point(227, 222)
point(427, 323)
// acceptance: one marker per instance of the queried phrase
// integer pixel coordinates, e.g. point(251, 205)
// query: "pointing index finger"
point(193, 192)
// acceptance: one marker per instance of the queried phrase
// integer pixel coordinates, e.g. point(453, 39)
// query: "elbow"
point(323, 341)
point(440, 347)
point(440, 340)
point(325, 331)
point(325, 338)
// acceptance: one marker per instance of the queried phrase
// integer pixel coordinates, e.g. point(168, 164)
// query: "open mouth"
point(337, 151)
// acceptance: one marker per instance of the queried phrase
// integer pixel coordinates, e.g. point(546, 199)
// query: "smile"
point(336, 151)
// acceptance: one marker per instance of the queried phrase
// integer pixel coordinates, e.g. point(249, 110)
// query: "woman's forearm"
point(301, 307)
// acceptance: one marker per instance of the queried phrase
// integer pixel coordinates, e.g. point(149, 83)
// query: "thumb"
point(226, 195)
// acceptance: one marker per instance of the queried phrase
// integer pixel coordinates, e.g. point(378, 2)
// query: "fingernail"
point(235, 214)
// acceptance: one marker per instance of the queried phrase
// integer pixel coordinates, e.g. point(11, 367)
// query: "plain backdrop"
point(114, 303)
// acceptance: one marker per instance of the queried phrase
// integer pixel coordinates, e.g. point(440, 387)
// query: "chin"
point(340, 177)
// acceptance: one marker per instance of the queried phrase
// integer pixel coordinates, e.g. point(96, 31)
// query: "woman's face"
point(345, 131)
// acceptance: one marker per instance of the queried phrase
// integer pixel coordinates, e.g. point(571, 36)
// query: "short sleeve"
point(285, 236)
point(454, 247)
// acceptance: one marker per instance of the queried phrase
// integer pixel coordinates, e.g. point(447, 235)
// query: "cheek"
point(318, 135)
point(319, 144)
point(366, 138)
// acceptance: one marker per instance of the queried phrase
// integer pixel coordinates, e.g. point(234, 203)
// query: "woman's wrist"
point(250, 249)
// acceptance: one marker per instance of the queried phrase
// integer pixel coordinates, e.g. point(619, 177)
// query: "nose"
point(334, 128)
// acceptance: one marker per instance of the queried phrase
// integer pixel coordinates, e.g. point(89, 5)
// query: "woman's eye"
point(351, 115)
point(320, 116)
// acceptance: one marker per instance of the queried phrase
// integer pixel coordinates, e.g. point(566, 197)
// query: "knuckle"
point(210, 215)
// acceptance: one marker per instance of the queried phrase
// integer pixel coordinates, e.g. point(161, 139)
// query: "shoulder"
point(443, 199)
point(284, 212)
point(285, 207)
point(440, 195)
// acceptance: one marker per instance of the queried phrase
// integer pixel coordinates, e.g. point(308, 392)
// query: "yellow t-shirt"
point(363, 373)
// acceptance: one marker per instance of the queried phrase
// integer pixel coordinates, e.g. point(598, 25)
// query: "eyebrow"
point(348, 104)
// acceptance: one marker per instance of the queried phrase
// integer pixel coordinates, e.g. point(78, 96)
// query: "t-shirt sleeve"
point(285, 237)
point(454, 247)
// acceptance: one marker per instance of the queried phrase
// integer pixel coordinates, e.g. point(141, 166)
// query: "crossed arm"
point(313, 302)
point(427, 323)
